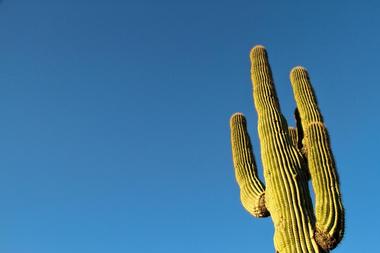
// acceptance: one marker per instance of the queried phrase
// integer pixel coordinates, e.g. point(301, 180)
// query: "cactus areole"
point(290, 157)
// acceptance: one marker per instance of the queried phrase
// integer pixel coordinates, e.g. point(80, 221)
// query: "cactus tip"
point(237, 117)
point(298, 69)
point(257, 50)
point(258, 47)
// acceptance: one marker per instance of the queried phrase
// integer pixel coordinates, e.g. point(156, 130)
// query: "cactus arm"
point(287, 194)
point(252, 193)
point(329, 210)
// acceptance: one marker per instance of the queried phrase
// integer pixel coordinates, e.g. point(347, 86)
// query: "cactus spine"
point(289, 156)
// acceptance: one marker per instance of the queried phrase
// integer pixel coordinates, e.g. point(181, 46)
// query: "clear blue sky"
point(114, 132)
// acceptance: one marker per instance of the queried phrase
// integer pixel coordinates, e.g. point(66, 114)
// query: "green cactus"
point(290, 156)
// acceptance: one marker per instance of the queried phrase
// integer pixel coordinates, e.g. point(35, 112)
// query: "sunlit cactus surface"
point(290, 157)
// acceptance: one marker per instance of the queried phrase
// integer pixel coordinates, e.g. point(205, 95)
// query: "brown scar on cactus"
point(287, 153)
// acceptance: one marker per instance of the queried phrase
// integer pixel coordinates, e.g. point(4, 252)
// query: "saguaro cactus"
point(290, 157)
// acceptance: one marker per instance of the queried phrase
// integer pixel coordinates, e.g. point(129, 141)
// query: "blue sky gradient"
point(114, 119)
